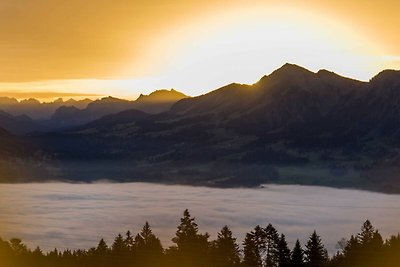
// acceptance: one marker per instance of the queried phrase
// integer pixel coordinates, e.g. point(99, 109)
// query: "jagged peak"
point(30, 101)
point(108, 99)
point(8, 100)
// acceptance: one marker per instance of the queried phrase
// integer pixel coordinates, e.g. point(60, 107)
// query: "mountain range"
point(286, 127)
point(36, 110)
point(30, 115)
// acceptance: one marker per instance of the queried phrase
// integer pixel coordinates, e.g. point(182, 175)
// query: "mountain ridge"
point(250, 134)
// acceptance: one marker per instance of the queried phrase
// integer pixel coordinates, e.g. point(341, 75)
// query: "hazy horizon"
point(63, 49)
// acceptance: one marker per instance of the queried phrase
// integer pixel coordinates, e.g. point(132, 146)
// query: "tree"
point(18, 247)
point(226, 251)
point(316, 254)
point(297, 255)
point(371, 245)
point(283, 252)
point(192, 247)
point(147, 247)
point(367, 233)
point(102, 248)
point(101, 254)
point(252, 257)
point(129, 241)
point(271, 246)
point(118, 247)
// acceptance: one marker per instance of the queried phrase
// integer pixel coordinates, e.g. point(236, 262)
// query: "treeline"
point(262, 247)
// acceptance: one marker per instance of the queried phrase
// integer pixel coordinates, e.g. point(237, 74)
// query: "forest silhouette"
point(262, 247)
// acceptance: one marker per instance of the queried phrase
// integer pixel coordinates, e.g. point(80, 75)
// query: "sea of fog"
point(77, 215)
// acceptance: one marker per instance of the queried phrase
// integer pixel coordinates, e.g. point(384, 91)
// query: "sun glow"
point(242, 45)
point(238, 43)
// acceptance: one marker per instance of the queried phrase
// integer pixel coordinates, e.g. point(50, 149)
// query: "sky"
point(53, 48)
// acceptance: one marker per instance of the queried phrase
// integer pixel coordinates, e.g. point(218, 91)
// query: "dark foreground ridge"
point(263, 246)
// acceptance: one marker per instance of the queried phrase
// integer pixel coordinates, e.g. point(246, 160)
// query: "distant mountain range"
point(233, 135)
point(35, 109)
point(32, 116)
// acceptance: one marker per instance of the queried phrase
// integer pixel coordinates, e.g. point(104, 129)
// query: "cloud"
point(78, 215)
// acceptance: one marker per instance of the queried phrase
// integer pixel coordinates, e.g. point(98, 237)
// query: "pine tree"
point(18, 247)
point(283, 252)
point(118, 246)
point(119, 252)
point(367, 233)
point(192, 247)
point(129, 241)
point(102, 248)
point(101, 254)
point(297, 255)
point(147, 247)
point(252, 257)
point(259, 239)
point(316, 254)
point(271, 246)
point(147, 242)
point(226, 250)
point(371, 245)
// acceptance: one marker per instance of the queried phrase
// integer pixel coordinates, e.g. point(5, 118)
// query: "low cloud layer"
point(78, 215)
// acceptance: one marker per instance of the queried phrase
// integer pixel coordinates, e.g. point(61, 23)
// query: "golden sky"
point(126, 47)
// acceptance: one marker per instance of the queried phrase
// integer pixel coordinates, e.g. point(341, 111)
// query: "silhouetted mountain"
point(292, 106)
point(156, 102)
point(291, 117)
point(70, 116)
point(18, 124)
point(37, 110)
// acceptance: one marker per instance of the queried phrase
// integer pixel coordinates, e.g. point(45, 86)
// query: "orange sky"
point(126, 47)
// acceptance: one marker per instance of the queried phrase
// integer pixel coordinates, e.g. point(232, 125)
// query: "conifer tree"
point(271, 246)
point(367, 233)
point(226, 251)
point(129, 241)
point(147, 247)
point(192, 247)
point(100, 254)
point(251, 254)
point(316, 254)
point(283, 252)
point(102, 248)
point(297, 255)
point(118, 246)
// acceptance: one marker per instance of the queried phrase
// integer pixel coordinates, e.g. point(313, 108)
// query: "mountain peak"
point(32, 101)
point(387, 78)
point(291, 69)
point(162, 95)
point(287, 72)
